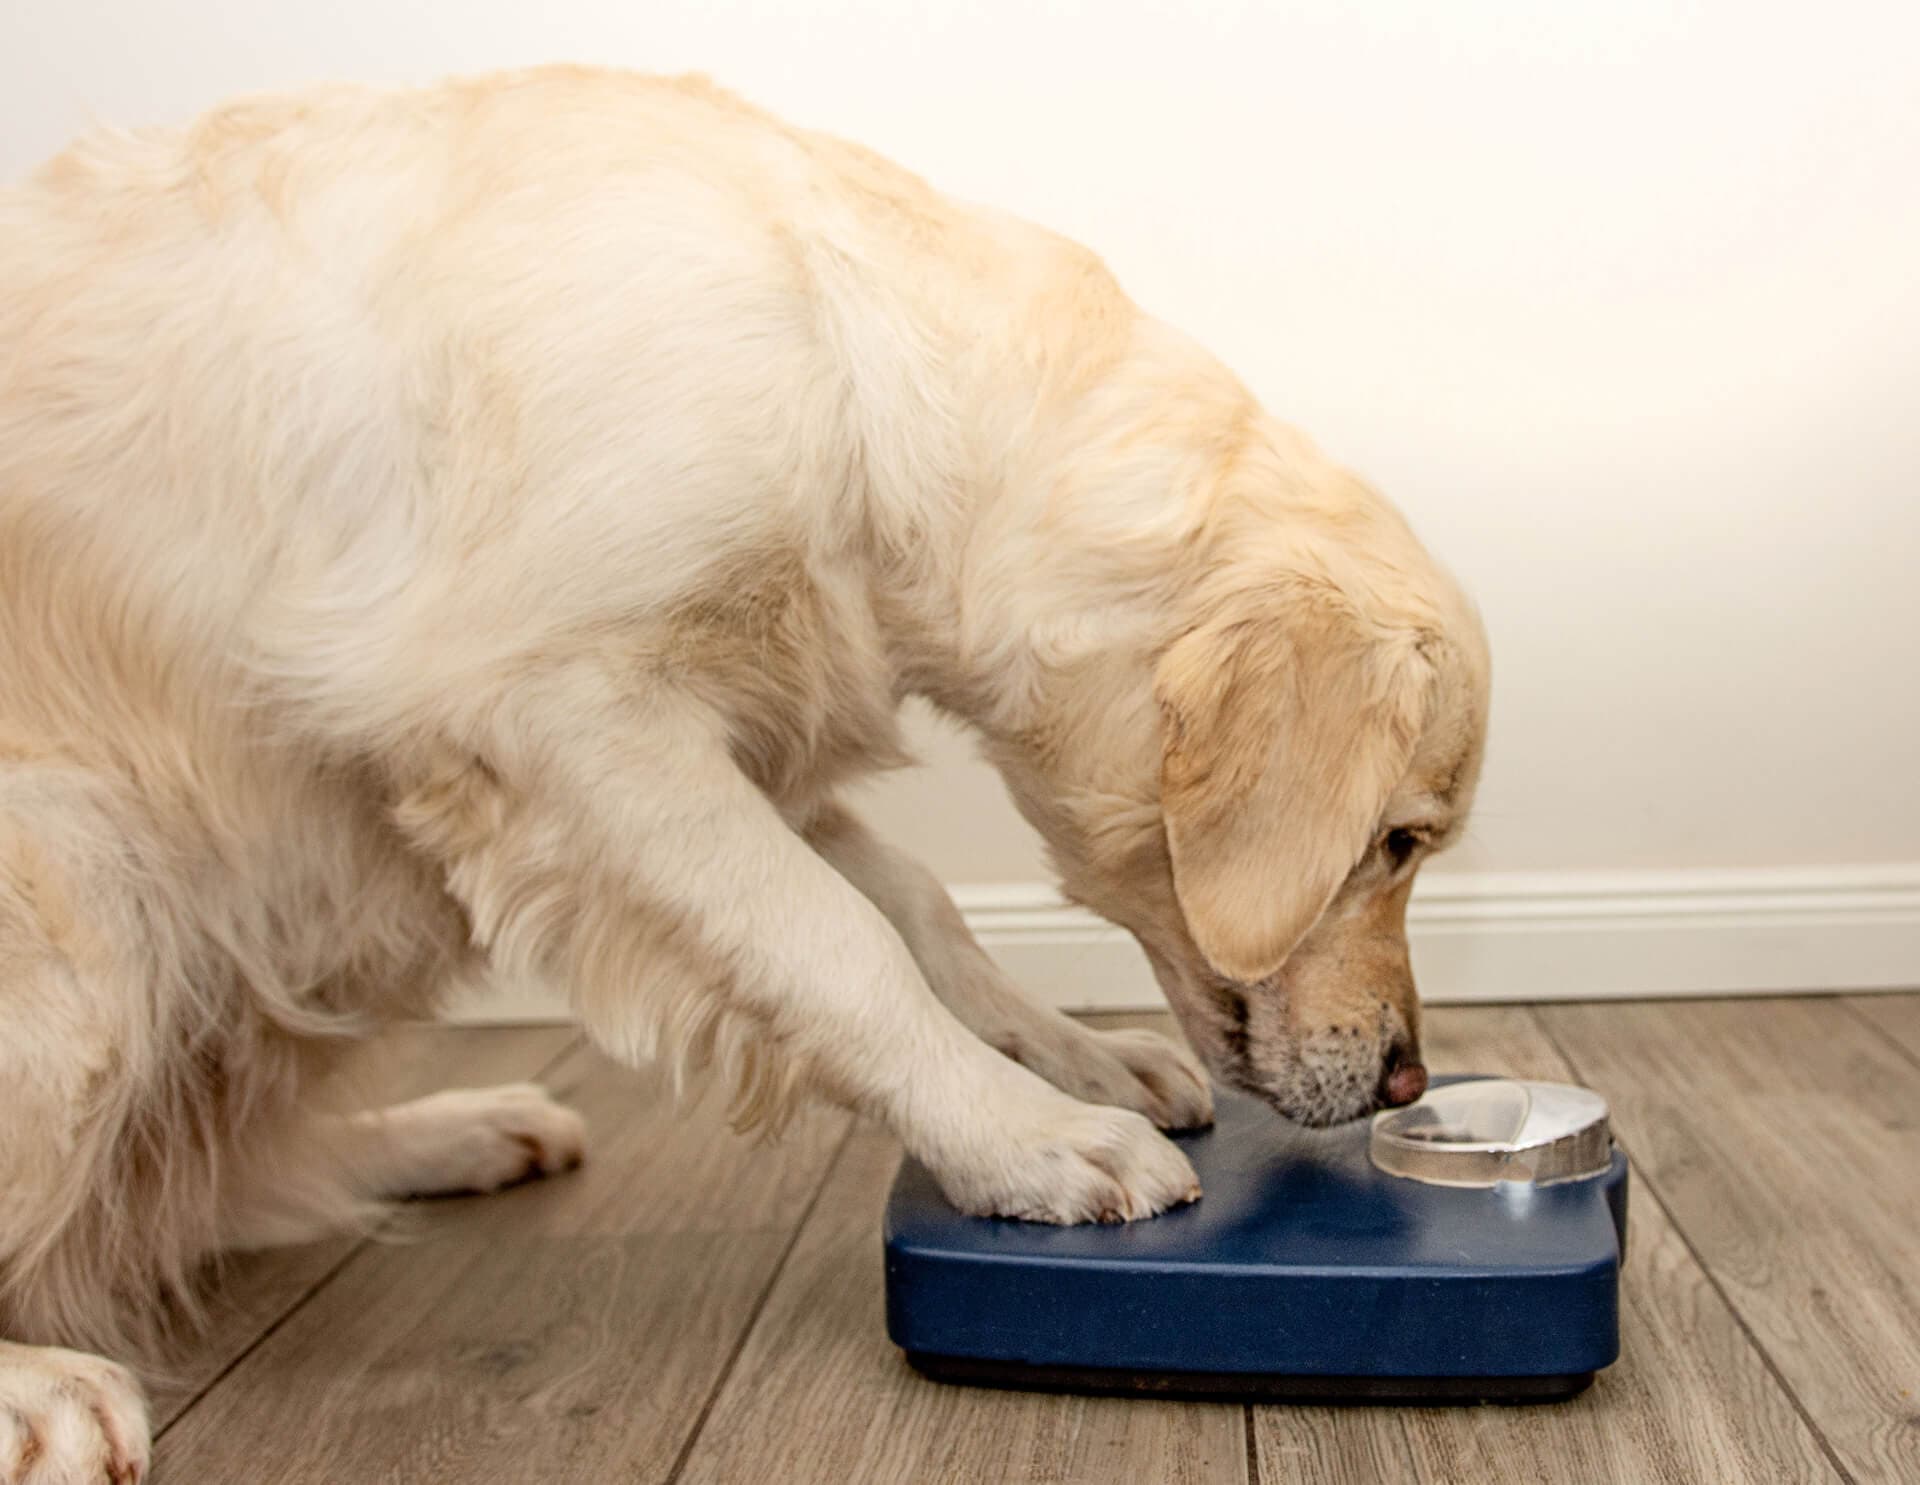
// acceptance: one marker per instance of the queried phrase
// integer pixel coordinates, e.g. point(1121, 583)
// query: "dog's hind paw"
point(478, 1140)
point(68, 1418)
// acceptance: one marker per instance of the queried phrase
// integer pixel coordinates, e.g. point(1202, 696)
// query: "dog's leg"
point(78, 1231)
point(68, 1418)
point(591, 836)
point(1132, 1069)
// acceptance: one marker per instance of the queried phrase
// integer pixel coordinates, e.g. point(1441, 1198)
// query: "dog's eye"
point(1399, 846)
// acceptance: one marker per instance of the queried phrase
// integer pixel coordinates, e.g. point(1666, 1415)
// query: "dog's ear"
point(1284, 726)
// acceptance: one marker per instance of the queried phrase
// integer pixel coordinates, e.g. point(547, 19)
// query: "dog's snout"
point(1403, 1080)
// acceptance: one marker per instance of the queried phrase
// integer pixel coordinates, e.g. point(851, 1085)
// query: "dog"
point(482, 530)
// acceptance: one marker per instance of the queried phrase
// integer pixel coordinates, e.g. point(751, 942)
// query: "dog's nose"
point(1403, 1081)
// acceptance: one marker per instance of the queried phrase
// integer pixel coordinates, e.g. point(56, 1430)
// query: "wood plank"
point(568, 1330)
point(1689, 1399)
point(821, 1397)
point(1896, 1017)
point(1784, 1137)
point(1332, 1446)
point(253, 1290)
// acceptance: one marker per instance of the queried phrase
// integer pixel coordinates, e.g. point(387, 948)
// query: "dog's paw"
point(1076, 1162)
point(67, 1418)
point(481, 1139)
point(1138, 1070)
point(1178, 1093)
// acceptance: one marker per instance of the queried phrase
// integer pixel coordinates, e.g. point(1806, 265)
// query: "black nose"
point(1403, 1079)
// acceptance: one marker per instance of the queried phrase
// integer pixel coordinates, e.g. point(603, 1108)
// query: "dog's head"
point(1254, 799)
point(1314, 750)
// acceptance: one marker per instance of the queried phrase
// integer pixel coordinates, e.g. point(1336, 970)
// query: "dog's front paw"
point(67, 1418)
point(480, 1139)
point(1177, 1092)
point(1073, 1163)
point(1138, 1070)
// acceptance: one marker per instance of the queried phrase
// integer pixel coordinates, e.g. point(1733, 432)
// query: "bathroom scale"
point(1464, 1248)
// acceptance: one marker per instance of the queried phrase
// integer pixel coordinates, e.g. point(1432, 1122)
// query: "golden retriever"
point(482, 530)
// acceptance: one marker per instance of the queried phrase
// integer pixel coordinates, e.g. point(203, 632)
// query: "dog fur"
point(481, 530)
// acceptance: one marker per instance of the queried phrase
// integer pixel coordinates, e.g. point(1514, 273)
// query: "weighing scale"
point(1465, 1248)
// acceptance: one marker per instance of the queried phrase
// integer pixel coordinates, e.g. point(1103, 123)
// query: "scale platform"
point(1306, 1271)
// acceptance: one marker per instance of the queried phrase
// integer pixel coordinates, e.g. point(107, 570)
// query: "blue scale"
point(1464, 1248)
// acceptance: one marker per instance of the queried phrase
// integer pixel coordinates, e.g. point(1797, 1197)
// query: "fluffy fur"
point(480, 530)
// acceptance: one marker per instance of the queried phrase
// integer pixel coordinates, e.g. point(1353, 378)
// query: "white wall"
point(1621, 301)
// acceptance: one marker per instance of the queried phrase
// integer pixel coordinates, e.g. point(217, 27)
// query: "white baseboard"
point(1510, 936)
point(1546, 936)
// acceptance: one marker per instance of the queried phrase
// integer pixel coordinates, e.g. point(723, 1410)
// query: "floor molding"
point(1534, 936)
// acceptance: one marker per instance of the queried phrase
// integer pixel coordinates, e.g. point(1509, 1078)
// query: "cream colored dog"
point(484, 528)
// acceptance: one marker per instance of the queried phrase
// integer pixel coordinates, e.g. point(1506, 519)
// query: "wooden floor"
point(692, 1308)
